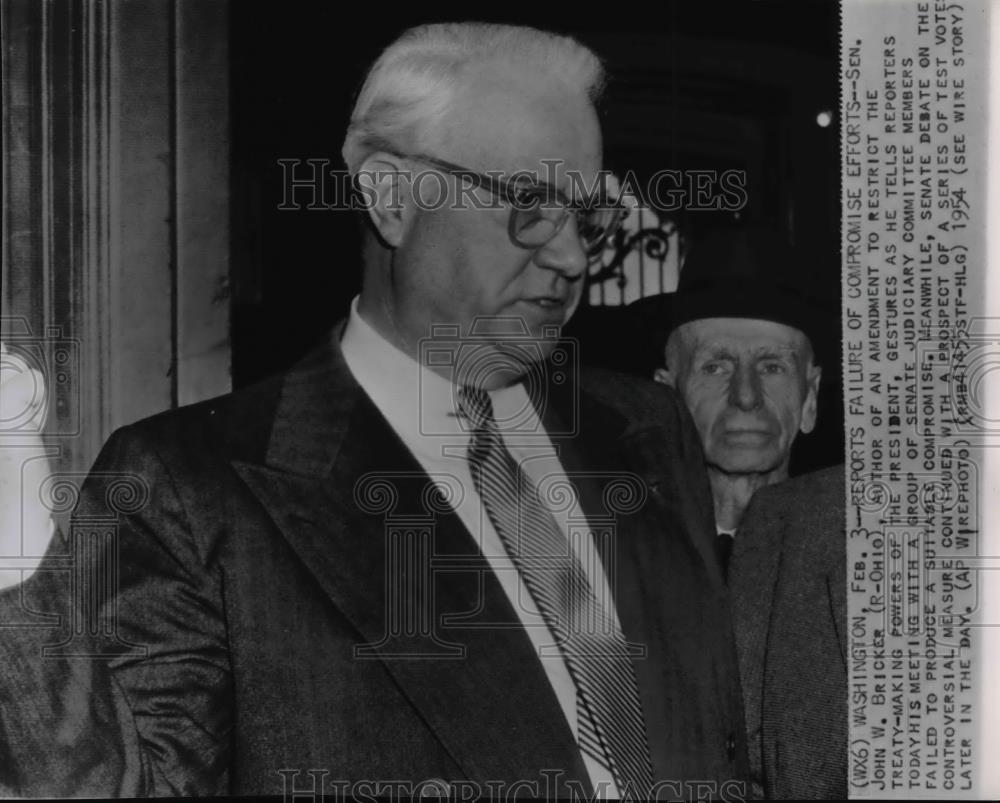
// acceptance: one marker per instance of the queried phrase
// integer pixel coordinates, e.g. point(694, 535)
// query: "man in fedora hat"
point(740, 351)
point(742, 340)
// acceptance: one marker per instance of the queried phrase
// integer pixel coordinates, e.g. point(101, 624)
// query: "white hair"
point(403, 102)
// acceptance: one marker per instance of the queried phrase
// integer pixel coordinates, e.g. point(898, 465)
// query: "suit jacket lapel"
point(753, 575)
point(334, 469)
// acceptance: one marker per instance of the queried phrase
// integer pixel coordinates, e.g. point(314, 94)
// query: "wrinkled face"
point(751, 388)
point(456, 265)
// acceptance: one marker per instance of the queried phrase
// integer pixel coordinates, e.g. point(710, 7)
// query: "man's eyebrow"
point(714, 351)
point(719, 351)
point(776, 351)
point(576, 193)
point(528, 180)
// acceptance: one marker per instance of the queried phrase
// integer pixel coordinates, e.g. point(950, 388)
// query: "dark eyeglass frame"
point(513, 191)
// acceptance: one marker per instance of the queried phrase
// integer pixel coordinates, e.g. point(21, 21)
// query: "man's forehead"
point(504, 119)
point(743, 335)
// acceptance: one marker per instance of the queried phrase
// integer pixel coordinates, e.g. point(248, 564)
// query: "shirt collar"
point(415, 400)
point(420, 404)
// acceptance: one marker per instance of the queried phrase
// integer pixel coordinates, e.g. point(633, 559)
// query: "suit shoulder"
point(184, 454)
point(236, 423)
point(812, 503)
point(824, 488)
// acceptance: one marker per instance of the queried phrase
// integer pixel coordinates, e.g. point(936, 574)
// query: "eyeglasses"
point(539, 210)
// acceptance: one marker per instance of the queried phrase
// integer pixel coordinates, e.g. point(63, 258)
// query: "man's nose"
point(564, 252)
point(744, 388)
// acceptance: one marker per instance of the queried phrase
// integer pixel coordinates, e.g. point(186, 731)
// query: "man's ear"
point(383, 181)
point(664, 376)
point(813, 374)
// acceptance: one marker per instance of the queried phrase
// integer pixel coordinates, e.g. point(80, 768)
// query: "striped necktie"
point(611, 727)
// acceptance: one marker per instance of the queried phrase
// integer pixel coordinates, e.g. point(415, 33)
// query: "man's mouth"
point(548, 302)
point(548, 310)
point(748, 436)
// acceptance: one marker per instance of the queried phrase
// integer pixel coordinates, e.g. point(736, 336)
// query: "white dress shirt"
point(421, 406)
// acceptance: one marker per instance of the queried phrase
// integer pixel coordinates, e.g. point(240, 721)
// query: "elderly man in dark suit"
point(740, 340)
point(431, 554)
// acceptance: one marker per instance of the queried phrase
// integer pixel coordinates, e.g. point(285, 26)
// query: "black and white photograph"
point(496, 404)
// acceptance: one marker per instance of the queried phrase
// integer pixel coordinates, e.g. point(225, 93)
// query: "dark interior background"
point(705, 85)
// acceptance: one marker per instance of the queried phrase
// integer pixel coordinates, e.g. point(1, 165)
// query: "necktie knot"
point(475, 406)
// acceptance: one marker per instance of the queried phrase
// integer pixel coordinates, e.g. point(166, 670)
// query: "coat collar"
point(320, 397)
point(314, 413)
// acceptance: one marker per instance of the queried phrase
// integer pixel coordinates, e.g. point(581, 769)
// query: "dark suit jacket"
point(61, 721)
point(249, 561)
point(787, 577)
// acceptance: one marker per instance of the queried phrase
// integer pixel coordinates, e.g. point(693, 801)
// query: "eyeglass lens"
point(535, 227)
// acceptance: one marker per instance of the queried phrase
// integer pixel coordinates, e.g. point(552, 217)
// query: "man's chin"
point(745, 461)
point(541, 320)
